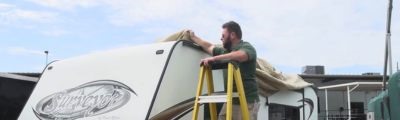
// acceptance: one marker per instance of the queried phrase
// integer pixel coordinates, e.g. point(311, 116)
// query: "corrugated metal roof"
point(19, 77)
point(30, 74)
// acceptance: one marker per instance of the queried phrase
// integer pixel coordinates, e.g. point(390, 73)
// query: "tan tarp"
point(268, 78)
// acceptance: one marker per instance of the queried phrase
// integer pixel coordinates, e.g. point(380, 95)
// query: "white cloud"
point(135, 12)
point(67, 4)
point(332, 33)
point(294, 33)
point(55, 32)
point(335, 33)
point(5, 6)
point(24, 51)
point(12, 14)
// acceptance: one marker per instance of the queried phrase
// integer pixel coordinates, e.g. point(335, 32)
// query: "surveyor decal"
point(86, 100)
point(310, 104)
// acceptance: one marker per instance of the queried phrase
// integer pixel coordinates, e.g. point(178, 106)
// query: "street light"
point(47, 56)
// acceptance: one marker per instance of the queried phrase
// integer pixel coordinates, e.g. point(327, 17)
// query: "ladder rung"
point(212, 99)
point(215, 98)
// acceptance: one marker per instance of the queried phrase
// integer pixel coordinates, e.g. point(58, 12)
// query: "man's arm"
point(239, 56)
point(208, 47)
point(245, 53)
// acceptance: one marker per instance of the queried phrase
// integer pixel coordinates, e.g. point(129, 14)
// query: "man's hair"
point(232, 26)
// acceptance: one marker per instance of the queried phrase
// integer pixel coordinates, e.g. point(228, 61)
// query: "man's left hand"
point(207, 61)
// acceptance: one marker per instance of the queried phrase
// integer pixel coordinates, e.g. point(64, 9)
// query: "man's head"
point(230, 32)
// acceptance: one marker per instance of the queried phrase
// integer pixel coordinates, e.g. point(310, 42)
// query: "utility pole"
point(390, 65)
point(47, 56)
point(387, 44)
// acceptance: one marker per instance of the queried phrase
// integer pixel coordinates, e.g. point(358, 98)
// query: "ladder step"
point(215, 98)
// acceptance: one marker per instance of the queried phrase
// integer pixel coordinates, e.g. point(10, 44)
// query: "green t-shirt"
point(247, 69)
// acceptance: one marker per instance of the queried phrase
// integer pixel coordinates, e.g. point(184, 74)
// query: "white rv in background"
point(156, 81)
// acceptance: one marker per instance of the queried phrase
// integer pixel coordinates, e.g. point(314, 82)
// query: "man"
point(235, 49)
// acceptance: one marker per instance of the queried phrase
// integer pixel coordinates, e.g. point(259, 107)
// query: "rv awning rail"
point(349, 87)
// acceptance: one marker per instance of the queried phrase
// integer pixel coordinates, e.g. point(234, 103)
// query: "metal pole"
point(47, 56)
point(388, 34)
point(348, 103)
point(390, 57)
point(326, 104)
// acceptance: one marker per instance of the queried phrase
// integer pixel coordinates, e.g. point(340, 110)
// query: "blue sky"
point(347, 37)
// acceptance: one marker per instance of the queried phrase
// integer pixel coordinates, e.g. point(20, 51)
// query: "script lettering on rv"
point(89, 99)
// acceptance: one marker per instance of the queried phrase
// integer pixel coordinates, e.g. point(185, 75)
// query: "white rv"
point(156, 81)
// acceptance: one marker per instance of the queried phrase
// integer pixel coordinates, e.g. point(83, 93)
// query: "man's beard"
point(228, 44)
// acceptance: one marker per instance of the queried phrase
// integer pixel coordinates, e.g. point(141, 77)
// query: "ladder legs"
point(233, 76)
point(242, 97)
point(210, 86)
point(198, 93)
point(229, 93)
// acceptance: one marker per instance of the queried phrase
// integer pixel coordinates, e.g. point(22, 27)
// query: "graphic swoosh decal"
point(310, 104)
point(176, 111)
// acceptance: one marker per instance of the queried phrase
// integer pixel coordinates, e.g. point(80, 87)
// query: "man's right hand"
point(208, 47)
point(191, 34)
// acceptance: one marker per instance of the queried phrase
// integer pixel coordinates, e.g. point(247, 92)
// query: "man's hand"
point(207, 61)
point(208, 47)
point(191, 34)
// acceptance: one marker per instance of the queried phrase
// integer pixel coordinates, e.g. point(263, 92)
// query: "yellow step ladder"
point(212, 98)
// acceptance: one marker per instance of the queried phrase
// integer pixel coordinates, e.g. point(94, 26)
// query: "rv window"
point(283, 112)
